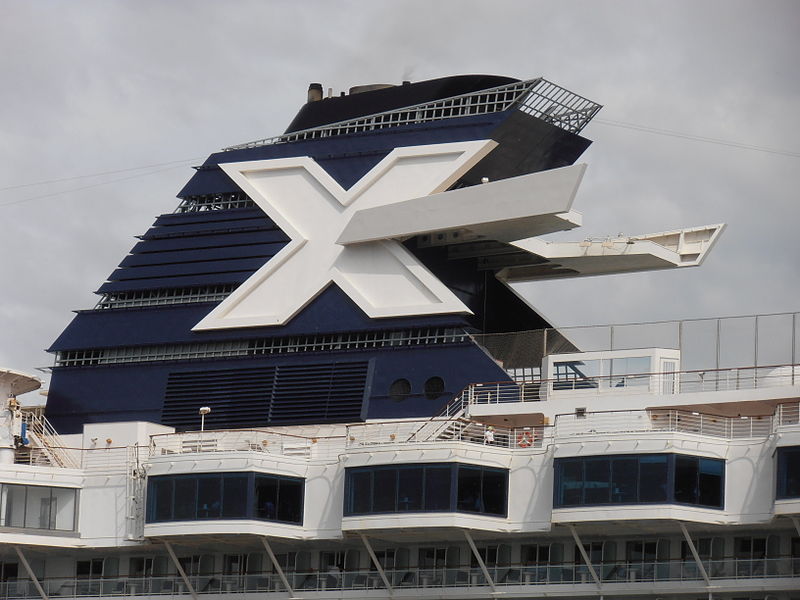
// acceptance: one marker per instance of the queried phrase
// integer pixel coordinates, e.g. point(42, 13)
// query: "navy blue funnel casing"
point(135, 356)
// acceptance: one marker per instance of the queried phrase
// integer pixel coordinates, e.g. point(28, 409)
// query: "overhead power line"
point(86, 187)
point(696, 138)
point(176, 163)
point(100, 174)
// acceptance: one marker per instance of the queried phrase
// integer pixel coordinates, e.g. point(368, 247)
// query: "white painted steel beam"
point(278, 567)
point(180, 570)
point(586, 560)
point(690, 543)
point(26, 565)
point(377, 564)
point(478, 557)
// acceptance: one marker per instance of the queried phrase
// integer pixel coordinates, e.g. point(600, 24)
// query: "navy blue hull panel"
point(347, 158)
point(137, 392)
point(331, 312)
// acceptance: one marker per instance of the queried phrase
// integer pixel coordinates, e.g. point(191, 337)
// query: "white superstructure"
point(609, 473)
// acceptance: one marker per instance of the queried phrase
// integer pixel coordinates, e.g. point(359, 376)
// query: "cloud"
point(91, 86)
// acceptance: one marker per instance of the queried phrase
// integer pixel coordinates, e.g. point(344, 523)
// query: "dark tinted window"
point(225, 496)
point(438, 485)
point(495, 487)
point(469, 489)
point(185, 506)
point(653, 478)
point(624, 480)
point(597, 481)
point(686, 479)
point(571, 488)
point(234, 498)
point(410, 488)
point(209, 497)
point(788, 472)
point(266, 498)
point(290, 500)
point(710, 482)
point(643, 478)
point(360, 492)
point(161, 490)
point(384, 490)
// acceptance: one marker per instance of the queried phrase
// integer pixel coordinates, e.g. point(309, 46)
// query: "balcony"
point(513, 580)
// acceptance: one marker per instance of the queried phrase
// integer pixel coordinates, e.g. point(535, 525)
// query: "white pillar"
point(6, 433)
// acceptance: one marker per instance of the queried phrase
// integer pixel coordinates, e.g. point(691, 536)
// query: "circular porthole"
point(399, 390)
point(434, 388)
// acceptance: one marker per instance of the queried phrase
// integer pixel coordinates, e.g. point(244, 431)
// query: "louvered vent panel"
point(317, 393)
point(241, 398)
point(237, 397)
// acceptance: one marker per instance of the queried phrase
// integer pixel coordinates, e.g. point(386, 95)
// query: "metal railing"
point(668, 384)
point(46, 446)
point(642, 421)
point(443, 430)
point(538, 97)
point(787, 414)
point(437, 430)
point(247, 440)
point(456, 577)
point(708, 343)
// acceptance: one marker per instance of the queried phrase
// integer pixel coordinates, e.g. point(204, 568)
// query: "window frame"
point(153, 514)
point(670, 461)
point(353, 494)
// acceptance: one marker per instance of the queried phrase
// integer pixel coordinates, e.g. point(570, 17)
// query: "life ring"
point(525, 439)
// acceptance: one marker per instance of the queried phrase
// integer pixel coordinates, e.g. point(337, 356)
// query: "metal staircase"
point(444, 424)
point(44, 447)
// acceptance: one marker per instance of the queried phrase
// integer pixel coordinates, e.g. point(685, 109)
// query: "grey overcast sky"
point(102, 86)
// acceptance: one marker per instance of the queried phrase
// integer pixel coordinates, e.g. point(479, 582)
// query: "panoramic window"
point(426, 488)
point(37, 507)
point(788, 472)
point(639, 479)
point(225, 496)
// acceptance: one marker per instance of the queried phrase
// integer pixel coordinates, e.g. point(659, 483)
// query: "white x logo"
point(380, 275)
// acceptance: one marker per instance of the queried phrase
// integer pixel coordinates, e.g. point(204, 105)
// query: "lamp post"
point(204, 410)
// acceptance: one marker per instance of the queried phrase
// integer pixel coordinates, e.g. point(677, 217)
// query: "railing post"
point(716, 386)
point(544, 347)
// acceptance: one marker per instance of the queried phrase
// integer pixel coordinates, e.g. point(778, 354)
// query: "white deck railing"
point(246, 440)
point(668, 384)
point(643, 421)
point(533, 576)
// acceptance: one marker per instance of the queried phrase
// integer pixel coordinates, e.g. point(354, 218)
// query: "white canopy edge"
point(668, 249)
point(14, 383)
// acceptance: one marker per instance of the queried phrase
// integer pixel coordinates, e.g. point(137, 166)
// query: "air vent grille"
point(284, 394)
